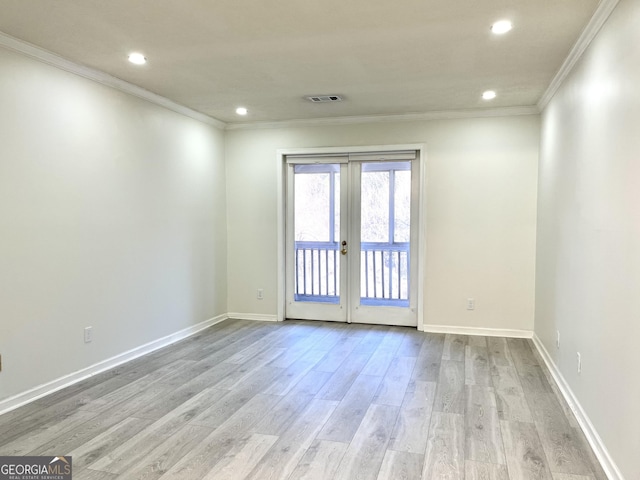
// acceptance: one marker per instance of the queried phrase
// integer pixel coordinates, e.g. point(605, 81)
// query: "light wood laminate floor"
point(313, 400)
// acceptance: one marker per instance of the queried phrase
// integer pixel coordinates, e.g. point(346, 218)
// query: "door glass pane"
point(375, 206)
point(402, 206)
point(316, 211)
point(385, 233)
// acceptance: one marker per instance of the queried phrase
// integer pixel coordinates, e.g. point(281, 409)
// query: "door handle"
point(344, 248)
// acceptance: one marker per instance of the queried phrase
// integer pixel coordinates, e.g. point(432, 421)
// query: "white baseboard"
point(600, 450)
point(256, 317)
point(486, 332)
point(29, 396)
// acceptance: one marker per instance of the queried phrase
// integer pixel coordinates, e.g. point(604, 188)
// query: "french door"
point(351, 238)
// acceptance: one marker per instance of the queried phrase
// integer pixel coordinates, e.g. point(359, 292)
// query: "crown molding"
point(604, 9)
point(98, 76)
point(409, 117)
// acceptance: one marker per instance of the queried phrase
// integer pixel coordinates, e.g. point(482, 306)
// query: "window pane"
point(402, 206)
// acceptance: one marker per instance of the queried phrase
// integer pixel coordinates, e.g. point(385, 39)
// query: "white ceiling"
point(384, 57)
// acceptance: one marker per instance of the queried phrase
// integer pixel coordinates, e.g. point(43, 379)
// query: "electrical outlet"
point(260, 294)
point(579, 362)
point(471, 303)
point(558, 339)
point(88, 334)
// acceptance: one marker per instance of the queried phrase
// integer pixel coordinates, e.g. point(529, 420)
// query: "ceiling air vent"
point(324, 98)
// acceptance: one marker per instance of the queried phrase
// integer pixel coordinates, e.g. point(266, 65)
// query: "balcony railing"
point(384, 273)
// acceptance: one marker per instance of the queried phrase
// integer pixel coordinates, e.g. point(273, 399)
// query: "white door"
point(351, 232)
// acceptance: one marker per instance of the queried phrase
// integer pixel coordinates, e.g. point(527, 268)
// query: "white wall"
point(112, 214)
point(480, 211)
point(588, 260)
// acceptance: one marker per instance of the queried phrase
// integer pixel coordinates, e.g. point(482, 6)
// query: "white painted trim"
point(281, 255)
point(598, 446)
point(486, 332)
point(54, 60)
point(256, 317)
point(422, 236)
point(604, 9)
point(408, 117)
point(33, 394)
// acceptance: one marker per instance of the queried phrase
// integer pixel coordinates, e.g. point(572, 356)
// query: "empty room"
point(320, 240)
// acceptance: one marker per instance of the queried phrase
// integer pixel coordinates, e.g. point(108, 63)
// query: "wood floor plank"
point(303, 346)
point(507, 380)
point(381, 359)
point(81, 434)
point(524, 453)
point(36, 416)
point(332, 360)
point(311, 383)
point(283, 457)
point(513, 407)
point(476, 366)
point(153, 465)
point(477, 341)
point(427, 367)
point(88, 474)
point(43, 435)
point(481, 395)
point(401, 466)
point(444, 457)
point(294, 373)
point(106, 442)
point(395, 382)
point(239, 462)
point(566, 476)
point(450, 391)
point(139, 445)
point(372, 338)
point(533, 380)
point(521, 352)
point(485, 471)
point(173, 400)
point(510, 398)
point(283, 414)
point(219, 411)
point(596, 468)
point(562, 447)
point(411, 430)
point(499, 355)
point(232, 434)
point(264, 344)
point(204, 370)
point(320, 461)
point(340, 382)
point(365, 454)
point(345, 420)
point(483, 438)
point(563, 450)
point(454, 347)
point(411, 344)
point(379, 362)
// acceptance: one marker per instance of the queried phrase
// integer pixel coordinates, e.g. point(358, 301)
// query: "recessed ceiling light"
point(241, 111)
point(503, 26)
point(137, 58)
point(489, 95)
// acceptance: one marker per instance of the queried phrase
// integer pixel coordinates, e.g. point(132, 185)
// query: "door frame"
point(281, 155)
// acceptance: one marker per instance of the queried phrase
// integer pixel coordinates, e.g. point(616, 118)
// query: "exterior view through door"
point(351, 231)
